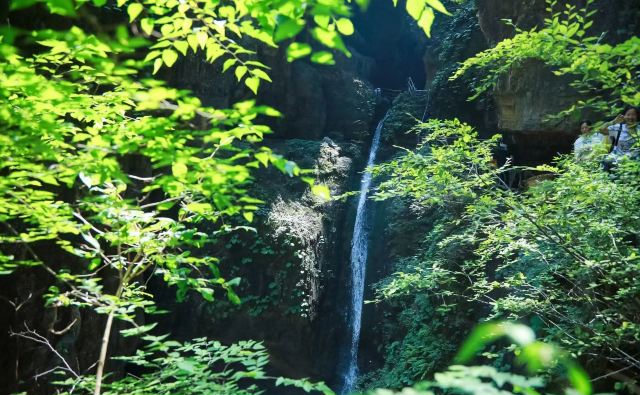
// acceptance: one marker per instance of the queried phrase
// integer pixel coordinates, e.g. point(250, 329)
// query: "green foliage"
point(487, 380)
point(111, 171)
point(608, 73)
point(198, 367)
point(418, 343)
point(562, 254)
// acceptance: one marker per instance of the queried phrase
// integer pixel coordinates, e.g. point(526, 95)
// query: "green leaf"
point(252, 83)
point(233, 297)
point(156, 65)
point(192, 39)
point(438, 6)
point(323, 57)
point(240, 72)
point(61, 7)
point(169, 56)
point(201, 38)
point(486, 333)
point(426, 21)
point(147, 25)
point(186, 365)
point(138, 330)
point(20, 4)
point(321, 191)
point(261, 74)
point(297, 50)
point(286, 28)
point(578, 378)
point(181, 46)
point(207, 294)
point(179, 169)
point(248, 215)
point(322, 20)
point(227, 64)
point(263, 158)
point(345, 26)
point(134, 9)
point(415, 8)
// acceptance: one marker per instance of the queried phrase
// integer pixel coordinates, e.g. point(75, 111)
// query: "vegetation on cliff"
point(560, 254)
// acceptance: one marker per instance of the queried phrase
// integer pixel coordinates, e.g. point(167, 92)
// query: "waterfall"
point(359, 251)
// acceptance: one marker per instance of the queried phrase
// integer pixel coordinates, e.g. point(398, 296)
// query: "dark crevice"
point(386, 34)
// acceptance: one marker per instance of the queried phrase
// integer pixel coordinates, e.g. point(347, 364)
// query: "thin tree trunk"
point(104, 347)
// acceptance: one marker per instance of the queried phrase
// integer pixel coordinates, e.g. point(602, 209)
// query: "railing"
point(413, 91)
point(411, 87)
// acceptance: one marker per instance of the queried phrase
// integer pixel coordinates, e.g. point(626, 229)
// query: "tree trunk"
point(104, 347)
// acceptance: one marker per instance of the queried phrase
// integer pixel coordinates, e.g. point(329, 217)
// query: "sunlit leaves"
point(170, 366)
point(345, 26)
point(565, 226)
point(253, 83)
point(201, 38)
point(321, 191)
point(323, 57)
point(415, 8)
point(426, 21)
point(422, 12)
point(147, 25)
point(179, 169)
point(182, 47)
point(286, 28)
point(169, 57)
point(297, 50)
point(562, 44)
point(133, 10)
point(536, 355)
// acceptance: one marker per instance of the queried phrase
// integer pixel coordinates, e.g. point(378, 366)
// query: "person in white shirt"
point(624, 133)
point(589, 143)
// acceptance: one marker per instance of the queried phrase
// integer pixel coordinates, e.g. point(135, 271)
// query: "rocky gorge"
point(295, 268)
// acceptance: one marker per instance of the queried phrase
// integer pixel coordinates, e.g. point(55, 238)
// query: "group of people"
point(617, 138)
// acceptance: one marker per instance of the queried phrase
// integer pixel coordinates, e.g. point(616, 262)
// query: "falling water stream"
point(359, 251)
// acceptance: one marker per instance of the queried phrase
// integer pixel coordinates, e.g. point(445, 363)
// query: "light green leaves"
point(323, 57)
point(252, 83)
point(535, 355)
point(297, 51)
point(179, 169)
point(60, 7)
point(228, 63)
point(426, 21)
point(438, 6)
point(181, 46)
point(240, 71)
point(330, 38)
point(415, 8)
point(201, 38)
point(489, 332)
point(345, 26)
point(422, 12)
point(138, 330)
point(133, 10)
point(322, 191)
point(146, 25)
point(169, 56)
